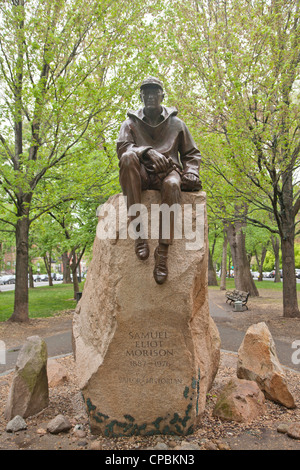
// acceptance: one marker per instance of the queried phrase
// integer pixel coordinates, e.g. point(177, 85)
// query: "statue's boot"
point(160, 271)
point(141, 249)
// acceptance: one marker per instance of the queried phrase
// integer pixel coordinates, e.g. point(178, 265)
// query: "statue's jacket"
point(170, 137)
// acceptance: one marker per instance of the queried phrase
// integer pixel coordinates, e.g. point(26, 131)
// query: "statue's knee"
point(172, 184)
point(128, 159)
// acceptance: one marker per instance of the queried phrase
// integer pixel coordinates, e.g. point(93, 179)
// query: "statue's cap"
point(152, 81)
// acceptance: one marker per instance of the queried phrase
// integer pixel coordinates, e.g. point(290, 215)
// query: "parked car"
point(44, 277)
point(267, 275)
point(59, 277)
point(9, 279)
point(36, 277)
point(255, 274)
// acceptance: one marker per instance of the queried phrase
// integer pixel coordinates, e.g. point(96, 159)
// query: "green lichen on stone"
point(161, 425)
point(166, 430)
point(223, 408)
point(30, 376)
point(100, 417)
point(198, 392)
point(109, 429)
point(190, 430)
point(187, 417)
point(151, 432)
point(129, 417)
point(34, 369)
point(178, 429)
point(134, 431)
point(167, 425)
point(194, 383)
point(90, 406)
point(175, 418)
point(156, 423)
point(120, 428)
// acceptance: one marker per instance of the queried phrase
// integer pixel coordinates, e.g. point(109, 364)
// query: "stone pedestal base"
point(146, 354)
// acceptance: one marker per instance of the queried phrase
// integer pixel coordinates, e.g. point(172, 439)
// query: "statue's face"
point(152, 96)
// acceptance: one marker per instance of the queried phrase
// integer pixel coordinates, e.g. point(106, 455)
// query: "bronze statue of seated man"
point(156, 151)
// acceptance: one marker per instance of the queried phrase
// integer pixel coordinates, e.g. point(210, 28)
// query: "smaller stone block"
point(241, 401)
point(29, 392)
point(258, 361)
point(59, 424)
point(16, 424)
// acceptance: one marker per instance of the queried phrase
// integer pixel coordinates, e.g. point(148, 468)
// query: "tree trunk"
point(224, 263)
point(242, 275)
point(289, 288)
point(21, 313)
point(31, 282)
point(74, 273)
point(75, 283)
point(290, 301)
point(260, 262)
point(229, 266)
point(212, 277)
point(47, 263)
point(66, 268)
point(79, 272)
point(276, 245)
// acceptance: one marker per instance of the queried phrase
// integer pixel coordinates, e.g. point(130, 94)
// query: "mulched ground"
point(212, 434)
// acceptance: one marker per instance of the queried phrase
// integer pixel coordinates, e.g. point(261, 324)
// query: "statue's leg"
point(130, 178)
point(170, 194)
point(132, 183)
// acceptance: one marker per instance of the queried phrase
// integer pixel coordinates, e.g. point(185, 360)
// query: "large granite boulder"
point(146, 354)
point(29, 393)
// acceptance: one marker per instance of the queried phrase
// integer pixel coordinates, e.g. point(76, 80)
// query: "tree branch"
point(8, 222)
point(6, 147)
point(48, 208)
point(296, 206)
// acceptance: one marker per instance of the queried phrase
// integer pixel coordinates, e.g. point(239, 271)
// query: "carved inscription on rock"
point(150, 344)
point(151, 357)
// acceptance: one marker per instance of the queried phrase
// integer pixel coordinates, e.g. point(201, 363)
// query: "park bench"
point(237, 295)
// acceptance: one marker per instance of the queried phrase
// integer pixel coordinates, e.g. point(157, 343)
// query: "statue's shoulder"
point(173, 115)
point(131, 117)
point(135, 114)
point(170, 112)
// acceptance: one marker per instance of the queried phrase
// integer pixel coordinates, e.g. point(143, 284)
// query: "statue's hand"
point(161, 164)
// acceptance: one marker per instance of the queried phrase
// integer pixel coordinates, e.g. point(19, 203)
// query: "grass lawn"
point(43, 301)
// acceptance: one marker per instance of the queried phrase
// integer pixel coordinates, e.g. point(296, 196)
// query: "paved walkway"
point(232, 338)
